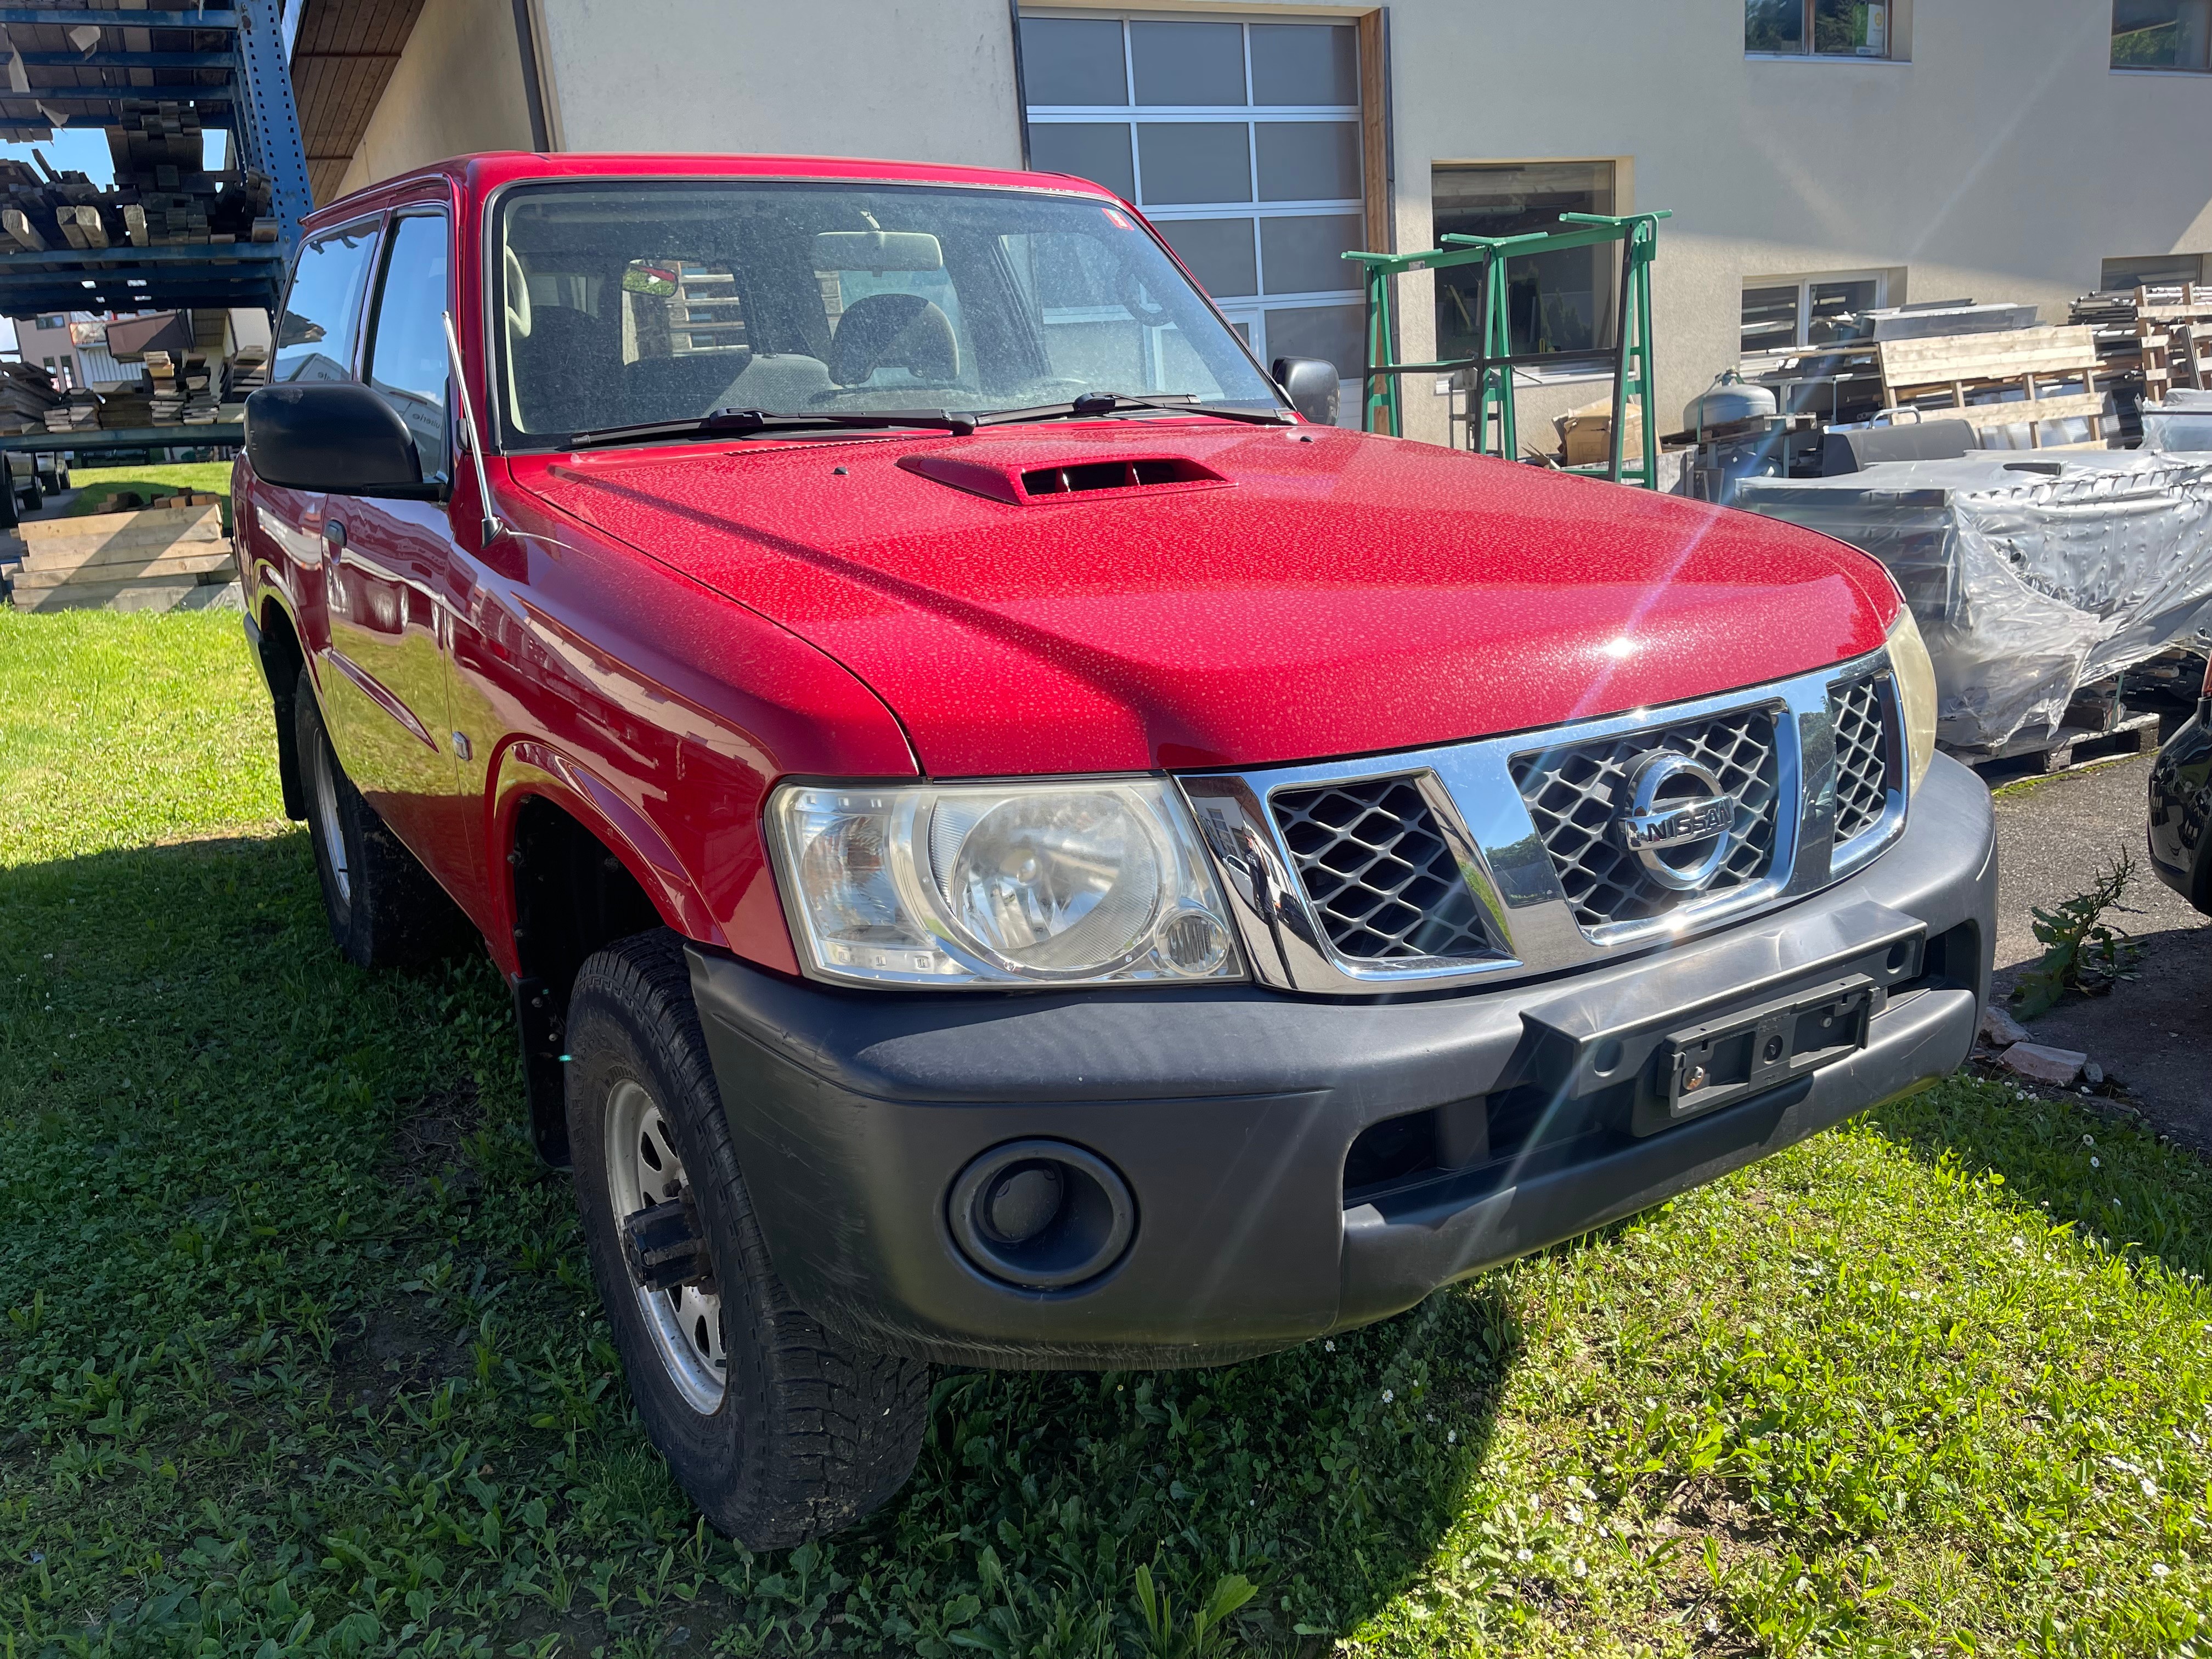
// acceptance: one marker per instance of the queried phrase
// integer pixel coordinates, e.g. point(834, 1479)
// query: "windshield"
point(644, 302)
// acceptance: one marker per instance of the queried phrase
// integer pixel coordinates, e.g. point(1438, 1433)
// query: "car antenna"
point(491, 525)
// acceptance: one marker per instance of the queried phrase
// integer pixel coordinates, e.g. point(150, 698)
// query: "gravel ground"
point(2153, 1034)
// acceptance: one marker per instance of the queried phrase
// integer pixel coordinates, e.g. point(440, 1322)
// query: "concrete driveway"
point(2153, 1034)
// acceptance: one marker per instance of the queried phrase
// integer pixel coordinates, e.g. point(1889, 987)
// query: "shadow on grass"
point(319, 1233)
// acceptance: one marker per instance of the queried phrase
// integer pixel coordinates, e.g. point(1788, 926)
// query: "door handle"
point(334, 535)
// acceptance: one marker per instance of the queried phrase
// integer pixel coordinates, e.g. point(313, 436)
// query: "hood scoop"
point(1023, 486)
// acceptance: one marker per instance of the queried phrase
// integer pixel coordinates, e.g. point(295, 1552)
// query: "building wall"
point(458, 87)
point(2004, 160)
point(920, 80)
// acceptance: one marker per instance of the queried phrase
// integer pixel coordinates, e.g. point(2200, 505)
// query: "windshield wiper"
point(1093, 404)
point(743, 422)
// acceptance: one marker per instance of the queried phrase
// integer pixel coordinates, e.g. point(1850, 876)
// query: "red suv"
point(1014, 845)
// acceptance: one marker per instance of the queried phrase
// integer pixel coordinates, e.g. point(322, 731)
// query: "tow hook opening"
point(664, 1246)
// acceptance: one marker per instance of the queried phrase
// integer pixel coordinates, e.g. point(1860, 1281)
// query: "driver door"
point(393, 563)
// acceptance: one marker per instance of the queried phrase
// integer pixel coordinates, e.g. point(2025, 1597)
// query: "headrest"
point(893, 330)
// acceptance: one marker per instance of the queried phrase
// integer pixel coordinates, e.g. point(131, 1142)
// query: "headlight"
point(1916, 690)
point(968, 886)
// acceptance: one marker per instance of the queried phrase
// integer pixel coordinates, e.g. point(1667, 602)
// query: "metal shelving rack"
point(228, 62)
point(229, 65)
point(1490, 406)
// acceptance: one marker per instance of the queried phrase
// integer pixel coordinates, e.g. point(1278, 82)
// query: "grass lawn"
point(95, 484)
point(299, 1355)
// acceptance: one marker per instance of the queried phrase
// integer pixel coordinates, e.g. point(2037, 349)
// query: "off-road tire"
point(385, 909)
point(809, 1435)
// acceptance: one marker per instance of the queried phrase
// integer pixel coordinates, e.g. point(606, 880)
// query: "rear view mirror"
point(1310, 384)
point(878, 251)
point(335, 436)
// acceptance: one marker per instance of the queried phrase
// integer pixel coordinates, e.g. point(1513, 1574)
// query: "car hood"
point(1245, 595)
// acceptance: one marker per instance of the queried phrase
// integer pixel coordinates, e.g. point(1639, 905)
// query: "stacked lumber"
point(152, 560)
point(199, 383)
point(158, 152)
point(245, 373)
point(79, 411)
point(27, 392)
point(32, 196)
point(126, 411)
point(163, 196)
point(168, 403)
point(2023, 377)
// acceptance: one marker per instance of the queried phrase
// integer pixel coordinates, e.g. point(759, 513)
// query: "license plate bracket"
point(1709, 1066)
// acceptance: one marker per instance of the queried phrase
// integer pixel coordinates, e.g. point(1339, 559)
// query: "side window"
point(407, 357)
point(322, 313)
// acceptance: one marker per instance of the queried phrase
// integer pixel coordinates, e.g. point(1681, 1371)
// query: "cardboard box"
point(1586, 433)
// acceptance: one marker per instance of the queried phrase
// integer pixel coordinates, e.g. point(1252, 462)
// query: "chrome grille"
point(1862, 757)
point(1381, 877)
point(1575, 793)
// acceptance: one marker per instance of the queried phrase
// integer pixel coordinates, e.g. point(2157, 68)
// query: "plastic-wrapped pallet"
point(2182, 424)
point(2030, 579)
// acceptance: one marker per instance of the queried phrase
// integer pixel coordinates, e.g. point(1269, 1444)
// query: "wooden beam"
point(17, 225)
point(2082, 406)
point(1380, 216)
point(1986, 356)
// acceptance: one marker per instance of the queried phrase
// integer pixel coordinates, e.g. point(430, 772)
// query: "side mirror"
point(1310, 384)
point(335, 436)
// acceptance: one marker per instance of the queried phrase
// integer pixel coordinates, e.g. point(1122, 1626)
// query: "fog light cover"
point(1042, 1215)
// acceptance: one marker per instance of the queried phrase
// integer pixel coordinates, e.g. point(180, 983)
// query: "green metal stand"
point(1490, 382)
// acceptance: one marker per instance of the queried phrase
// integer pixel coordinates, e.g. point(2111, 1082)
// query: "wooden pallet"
point(1974, 376)
point(145, 561)
point(2175, 326)
point(2071, 746)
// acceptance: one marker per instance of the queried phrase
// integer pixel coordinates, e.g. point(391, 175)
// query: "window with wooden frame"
point(1819, 28)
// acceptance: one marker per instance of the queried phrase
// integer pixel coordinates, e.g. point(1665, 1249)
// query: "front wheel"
point(386, 911)
point(778, 1431)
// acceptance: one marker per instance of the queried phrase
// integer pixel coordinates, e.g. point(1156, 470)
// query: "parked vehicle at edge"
point(1012, 846)
point(33, 477)
point(2181, 806)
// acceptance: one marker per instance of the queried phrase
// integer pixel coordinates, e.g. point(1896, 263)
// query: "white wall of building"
point(918, 80)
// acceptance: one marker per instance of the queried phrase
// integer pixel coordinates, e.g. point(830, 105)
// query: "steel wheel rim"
point(644, 1169)
point(327, 825)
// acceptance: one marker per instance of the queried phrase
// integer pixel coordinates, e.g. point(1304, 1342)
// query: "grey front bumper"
point(1231, 1113)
